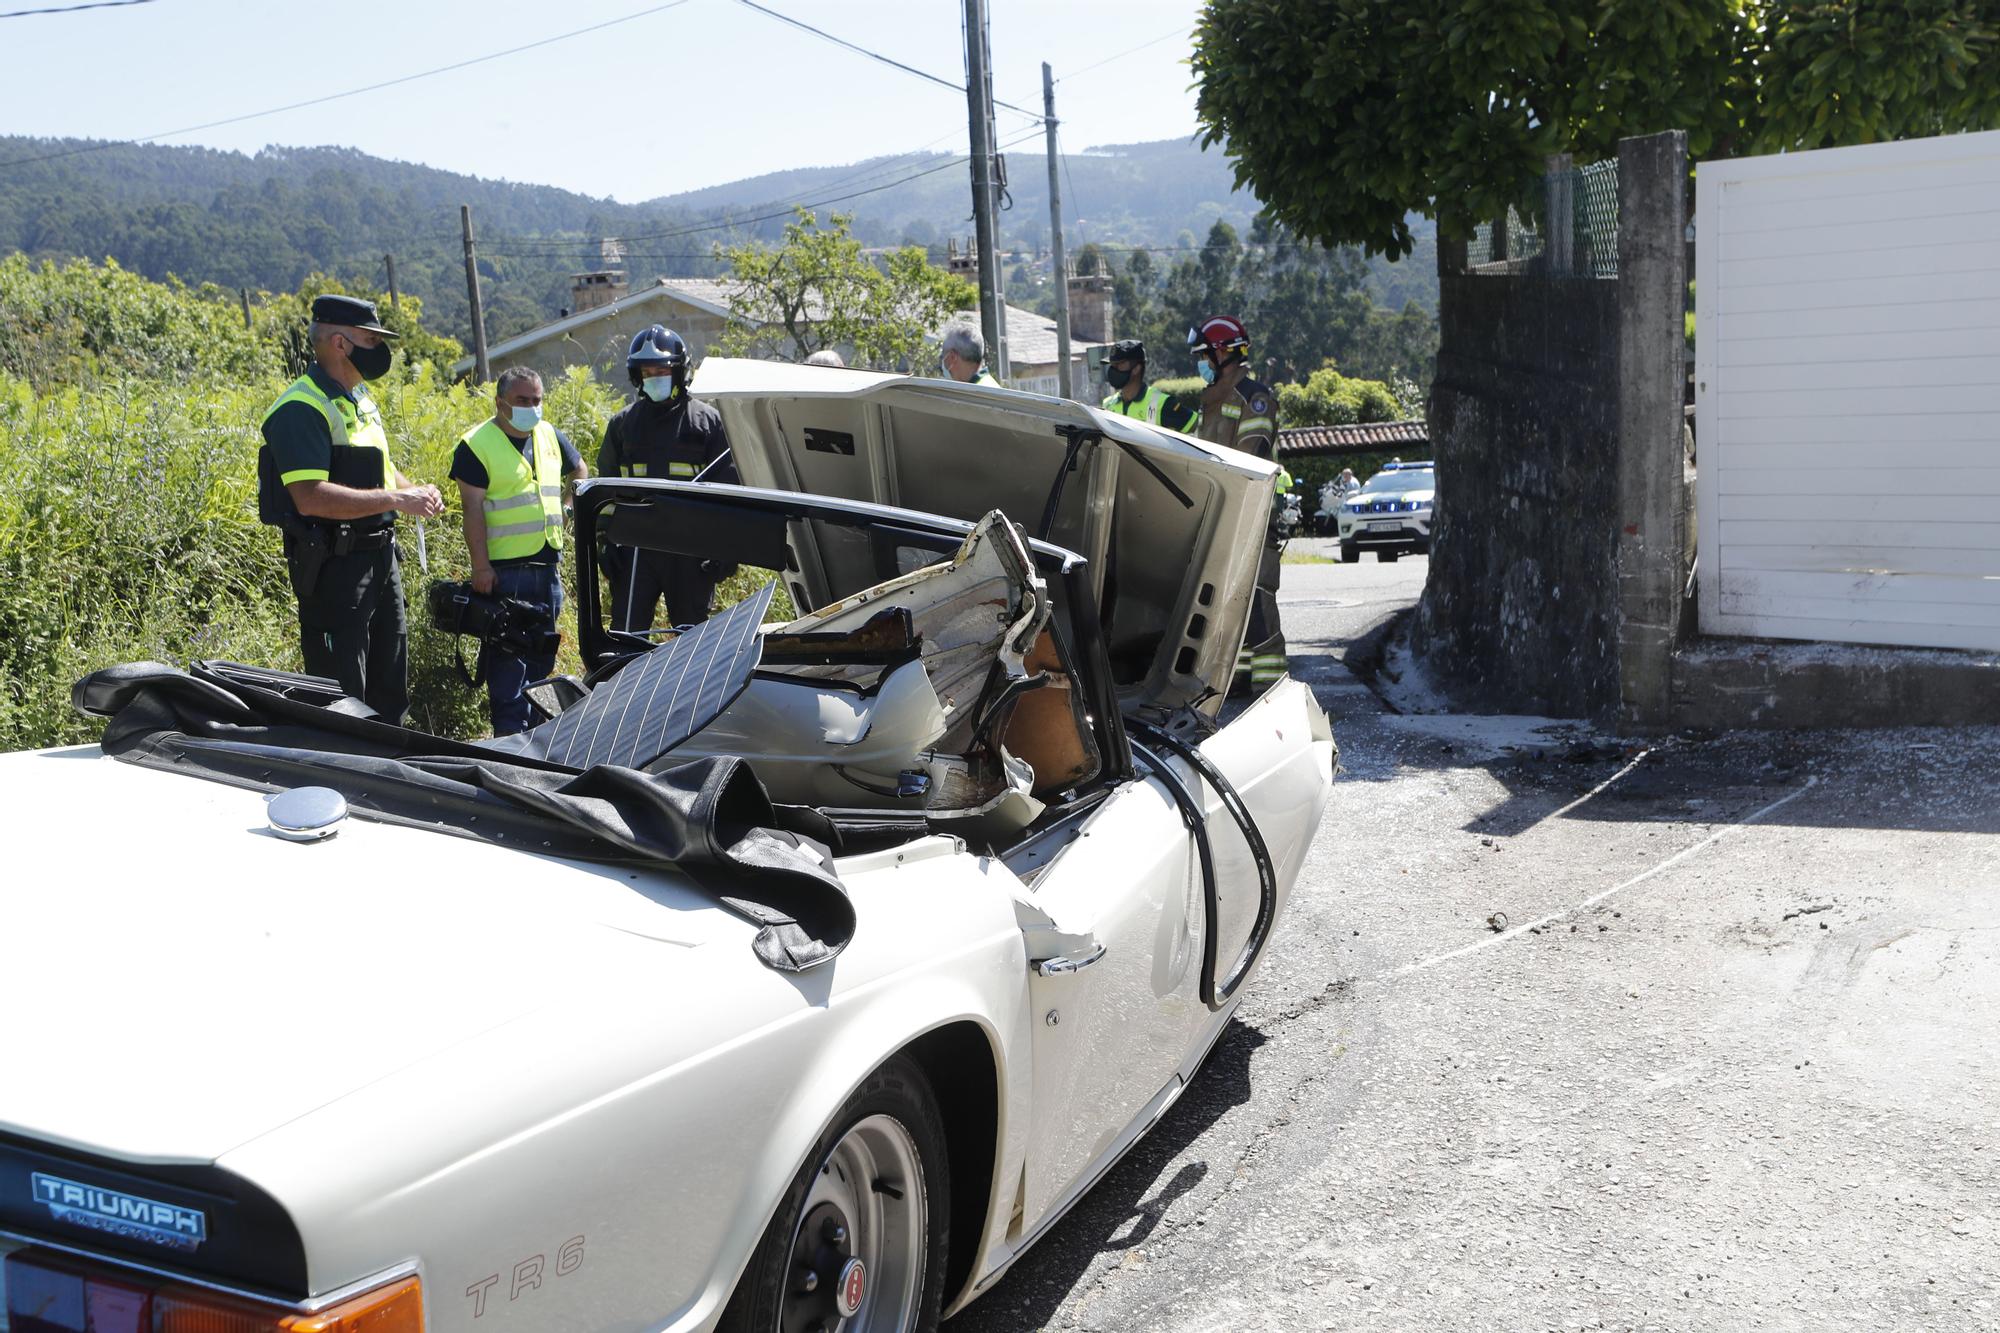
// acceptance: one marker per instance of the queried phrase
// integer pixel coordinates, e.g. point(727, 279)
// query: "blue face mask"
point(525, 418)
point(659, 388)
point(1207, 369)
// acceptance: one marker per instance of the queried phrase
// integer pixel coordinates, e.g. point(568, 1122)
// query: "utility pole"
point(479, 368)
point(978, 92)
point(389, 261)
point(245, 293)
point(1056, 236)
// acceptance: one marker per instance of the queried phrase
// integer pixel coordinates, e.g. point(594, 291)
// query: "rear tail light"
point(53, 1293)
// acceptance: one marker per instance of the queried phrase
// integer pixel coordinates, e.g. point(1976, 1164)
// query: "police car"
point(793, 973)
point(1391, 513)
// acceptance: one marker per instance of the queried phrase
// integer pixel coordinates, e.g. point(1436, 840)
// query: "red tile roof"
point(1365, 438)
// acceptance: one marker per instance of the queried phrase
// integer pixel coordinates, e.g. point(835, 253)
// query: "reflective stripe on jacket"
point(353, 425)
point(523, 505)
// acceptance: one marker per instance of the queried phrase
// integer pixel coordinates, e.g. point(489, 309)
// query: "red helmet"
point(1220, 334)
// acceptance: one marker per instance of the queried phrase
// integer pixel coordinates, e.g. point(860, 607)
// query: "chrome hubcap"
point(857, 1261)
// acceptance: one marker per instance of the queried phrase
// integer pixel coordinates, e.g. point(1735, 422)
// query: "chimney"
point(1090, 309)
point(588, 291)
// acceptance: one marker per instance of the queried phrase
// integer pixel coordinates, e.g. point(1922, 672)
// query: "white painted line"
point(1410, 969)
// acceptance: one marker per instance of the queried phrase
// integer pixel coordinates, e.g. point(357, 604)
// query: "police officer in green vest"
point(324, 478)
point(1131, 396)
point(510, 470)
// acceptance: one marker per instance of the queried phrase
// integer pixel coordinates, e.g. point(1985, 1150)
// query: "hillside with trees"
point(268, 221)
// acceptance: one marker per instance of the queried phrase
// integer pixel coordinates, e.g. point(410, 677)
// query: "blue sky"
point(702, 93)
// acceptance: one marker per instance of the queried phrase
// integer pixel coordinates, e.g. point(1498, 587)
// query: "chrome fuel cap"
point(306, 814)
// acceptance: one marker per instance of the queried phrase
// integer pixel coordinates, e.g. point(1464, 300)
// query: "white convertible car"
point(791, 976)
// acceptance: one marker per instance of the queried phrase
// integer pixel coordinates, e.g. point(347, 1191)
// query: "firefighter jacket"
point(673, 440)
point(1239, 412)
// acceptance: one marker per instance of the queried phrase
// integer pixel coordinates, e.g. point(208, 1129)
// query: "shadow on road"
point(1123, 1209)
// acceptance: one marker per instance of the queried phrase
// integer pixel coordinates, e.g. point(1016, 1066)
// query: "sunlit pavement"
point(1562, 1032)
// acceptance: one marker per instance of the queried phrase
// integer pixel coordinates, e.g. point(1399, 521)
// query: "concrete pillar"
point(1651, 541)
point(1559, 208)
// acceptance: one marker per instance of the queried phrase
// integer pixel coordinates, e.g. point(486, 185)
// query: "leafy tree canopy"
point(1344, 116)
point(818, 290)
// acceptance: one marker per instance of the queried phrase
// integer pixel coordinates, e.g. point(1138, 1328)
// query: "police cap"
point(1126, 349)
point(351, 311)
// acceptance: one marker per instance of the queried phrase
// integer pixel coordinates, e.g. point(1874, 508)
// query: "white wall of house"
point(1847, 391)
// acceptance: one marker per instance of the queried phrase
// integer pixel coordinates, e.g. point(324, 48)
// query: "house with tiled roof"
point(698, 309)
point(1368, 437)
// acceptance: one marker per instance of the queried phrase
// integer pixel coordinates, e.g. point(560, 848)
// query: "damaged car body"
point(790, 973)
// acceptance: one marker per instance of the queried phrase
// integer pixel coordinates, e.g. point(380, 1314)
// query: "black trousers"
point(639, 579)
point(353, 628)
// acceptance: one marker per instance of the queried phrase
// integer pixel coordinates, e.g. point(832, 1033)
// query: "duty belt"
point(345, 540)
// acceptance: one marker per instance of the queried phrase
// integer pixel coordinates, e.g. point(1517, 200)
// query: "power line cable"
point(351, 92)
point(1134, 50)
point(72, 9)
point(821, 33)
point(525, 245)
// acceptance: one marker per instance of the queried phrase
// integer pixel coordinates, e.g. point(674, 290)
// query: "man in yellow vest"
point(1131, 396)
point(510, 470)
point(325, 480)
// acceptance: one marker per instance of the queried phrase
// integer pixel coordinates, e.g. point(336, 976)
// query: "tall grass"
point(128, 531)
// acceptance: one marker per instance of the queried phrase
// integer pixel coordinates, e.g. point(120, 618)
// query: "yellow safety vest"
point(523, 505)
point(1148, 407)
point(353, 425)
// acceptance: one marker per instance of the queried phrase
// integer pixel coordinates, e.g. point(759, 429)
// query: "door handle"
point(1065, 963)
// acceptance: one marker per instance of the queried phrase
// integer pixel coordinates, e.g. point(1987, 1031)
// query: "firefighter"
point(324, 479)
point(1239, 412)
point(663, 433)
point(1131, 396)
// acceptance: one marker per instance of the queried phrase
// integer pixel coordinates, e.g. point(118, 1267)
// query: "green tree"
point(1329, 398)
point(817, 290)
point(283, 321)
point(1346, 116)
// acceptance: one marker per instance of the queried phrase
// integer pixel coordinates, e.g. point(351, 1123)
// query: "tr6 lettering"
point(526, 1275)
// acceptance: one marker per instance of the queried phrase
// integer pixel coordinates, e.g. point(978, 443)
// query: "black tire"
point(899, 1091)
point(1387, 554)
point(1350, 552)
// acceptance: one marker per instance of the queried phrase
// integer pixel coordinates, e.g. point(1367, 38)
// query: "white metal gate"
point(1847, 391)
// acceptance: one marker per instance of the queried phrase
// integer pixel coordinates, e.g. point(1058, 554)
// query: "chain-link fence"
point(1586, 199)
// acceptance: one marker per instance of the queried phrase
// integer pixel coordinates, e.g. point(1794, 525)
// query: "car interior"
point(932, 689)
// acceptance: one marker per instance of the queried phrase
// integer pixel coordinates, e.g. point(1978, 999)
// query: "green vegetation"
point(1346, 116)
point(1302, 303)
point(817, 290)
point(129, 416)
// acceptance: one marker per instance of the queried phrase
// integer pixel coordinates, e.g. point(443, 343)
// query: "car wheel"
point(1350, 552)
point(858, 1244)
point(1387, 555)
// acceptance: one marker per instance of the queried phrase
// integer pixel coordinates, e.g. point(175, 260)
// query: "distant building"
point(698, 309)
point(597, 336)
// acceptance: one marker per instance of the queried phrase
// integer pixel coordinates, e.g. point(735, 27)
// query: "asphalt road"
point(1729, 1062)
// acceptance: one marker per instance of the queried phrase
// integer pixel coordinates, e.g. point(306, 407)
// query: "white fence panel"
point(1847, 394)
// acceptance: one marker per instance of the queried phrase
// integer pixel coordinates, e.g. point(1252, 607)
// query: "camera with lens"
point(504, 624)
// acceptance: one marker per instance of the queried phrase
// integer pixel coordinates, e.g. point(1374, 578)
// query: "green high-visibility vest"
point(353, 425)
point(523, 504)
point(1148, 407)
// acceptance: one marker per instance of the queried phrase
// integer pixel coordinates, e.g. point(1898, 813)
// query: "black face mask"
point(372, 363)
point(1117, 378)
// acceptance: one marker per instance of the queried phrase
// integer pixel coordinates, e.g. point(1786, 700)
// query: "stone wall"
point(1519, 611)
point(1561, 543)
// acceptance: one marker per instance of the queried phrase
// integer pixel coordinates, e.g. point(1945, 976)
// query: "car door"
point(1112, 932)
